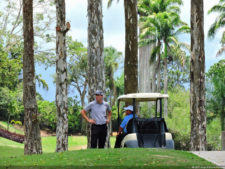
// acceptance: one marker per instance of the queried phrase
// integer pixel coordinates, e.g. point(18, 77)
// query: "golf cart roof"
point(141, 97)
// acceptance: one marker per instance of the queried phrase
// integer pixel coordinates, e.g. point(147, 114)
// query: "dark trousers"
point(98, 135)
point(119, 139)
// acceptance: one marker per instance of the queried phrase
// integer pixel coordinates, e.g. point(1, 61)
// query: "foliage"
point(74, 116)
point(47, 115)
point(216, 92)
point(10, 67)
point(112, 58)
point(11, 106)
point(77, 67)
point(11, 21)
point(178, 121)
point(218, 24)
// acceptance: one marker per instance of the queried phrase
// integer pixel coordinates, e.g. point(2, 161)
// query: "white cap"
point(130, 107)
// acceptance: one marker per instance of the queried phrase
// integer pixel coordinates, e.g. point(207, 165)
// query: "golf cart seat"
point(149, 131)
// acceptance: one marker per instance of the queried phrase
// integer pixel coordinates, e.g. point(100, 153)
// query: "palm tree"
point(111, 60)
point(131, 46)
point(96, 78)
point(197, 78)
point(32, 142)
point(160, 19)
point(61, 78)
point(218, 24)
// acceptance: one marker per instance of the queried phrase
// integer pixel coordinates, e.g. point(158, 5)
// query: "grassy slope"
point(11, 127)
point(48, 144)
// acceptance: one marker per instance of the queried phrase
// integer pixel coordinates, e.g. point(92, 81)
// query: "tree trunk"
point(197, 78)
point(165, 82)
point(158, 71)
point(32, 139)
point(222, 114)
point(61, 78)
point(223, 140)
point(8, 122)
point(83, 121)
point(153, 77)
point(158, 76)
point(96, 79)
point(131, 47)
point(144, 72)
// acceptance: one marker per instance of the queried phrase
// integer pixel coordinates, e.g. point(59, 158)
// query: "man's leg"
point(102, 136)
point(94, 136)
point(119, 139)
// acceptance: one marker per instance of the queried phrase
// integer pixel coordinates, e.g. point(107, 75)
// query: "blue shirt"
point(125, 121)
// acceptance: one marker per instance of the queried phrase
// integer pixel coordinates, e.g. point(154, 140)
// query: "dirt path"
point(216, 157)
point(78, 148)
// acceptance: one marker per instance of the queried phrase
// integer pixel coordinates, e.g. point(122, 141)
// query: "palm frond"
point(219, 23)
point(110, 3)
point(221, 51)
point(154, 53)
point(217, 8)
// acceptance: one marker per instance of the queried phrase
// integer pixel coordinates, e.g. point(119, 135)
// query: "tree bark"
point(96, 79)
point(131, 47)
point(32, 139)
point(197, 78)
point(222, 113)
point(144, 69)
point(165, 82)
point(158, 75)
point(61, 78)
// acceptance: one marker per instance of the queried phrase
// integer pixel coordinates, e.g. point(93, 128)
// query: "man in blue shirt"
point(122, 129)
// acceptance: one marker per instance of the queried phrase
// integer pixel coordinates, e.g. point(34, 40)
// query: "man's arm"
point(120, 130)
point(84, 115)
point(109, 110)
point(109, 117)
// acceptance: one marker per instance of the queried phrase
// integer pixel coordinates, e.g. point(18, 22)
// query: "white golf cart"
point(146, 132)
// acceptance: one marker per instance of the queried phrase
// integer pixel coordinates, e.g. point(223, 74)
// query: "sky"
point(114, 34)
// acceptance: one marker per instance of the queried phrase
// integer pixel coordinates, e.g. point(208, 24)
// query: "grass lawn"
point(11, 156)
point(108, 158)
point(11, 127)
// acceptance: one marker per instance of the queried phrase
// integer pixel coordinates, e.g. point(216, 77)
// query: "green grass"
point(49, 143)
point(109, 158)
point(11, 156)
point(12, 129)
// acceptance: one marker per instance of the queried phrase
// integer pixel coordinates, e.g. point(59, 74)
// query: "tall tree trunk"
point(158, 76)
point(131, 47)
point(165, 87)
point(144, 73)
point(83, 121)
point(61, 78)
point(165, 82)
point(32, 142)
point(197, 78)
point(95, 52)
point(158, 70)
point(222, 114)
point(153, 77)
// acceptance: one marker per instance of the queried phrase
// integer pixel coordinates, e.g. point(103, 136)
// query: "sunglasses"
point(99, 95)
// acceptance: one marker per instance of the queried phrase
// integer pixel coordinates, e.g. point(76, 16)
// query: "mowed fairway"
point(11, 156)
